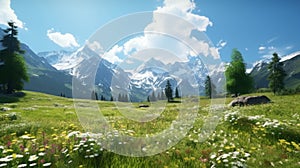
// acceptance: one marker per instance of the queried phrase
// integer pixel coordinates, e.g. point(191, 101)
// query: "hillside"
point(260, 72)
point(36, 127)
point(43, 77)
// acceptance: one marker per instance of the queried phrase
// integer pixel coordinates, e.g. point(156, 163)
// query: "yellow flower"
point(186, 159)
point(289, 149)
point(13, 134)
point(296, 145)
point(14, 155)
point(227, 147)
point(42, 149)
point(193, 158)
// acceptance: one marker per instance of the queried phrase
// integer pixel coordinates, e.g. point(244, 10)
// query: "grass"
point(39, 130)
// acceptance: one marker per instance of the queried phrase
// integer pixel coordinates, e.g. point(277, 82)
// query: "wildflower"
point(22, 165)
point(26, 137)
point(3, 164)
point(32, 164)
point(41, 154)
point(32, 158)
point(2, 147)
point(296, 145)
point(247, 154)
point(186, 159)
point(46, 164)
point(213, 156)
point(227, 147)
point(203, 160)
point(6, 159)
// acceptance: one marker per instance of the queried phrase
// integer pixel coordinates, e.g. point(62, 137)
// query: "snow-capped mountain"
point(291, 64)
point(54, 57)
point(144, 77)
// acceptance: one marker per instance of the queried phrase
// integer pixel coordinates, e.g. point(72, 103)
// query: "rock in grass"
point(143, 105)
point(249, 100)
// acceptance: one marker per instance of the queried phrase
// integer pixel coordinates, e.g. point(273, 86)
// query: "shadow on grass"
point(11, 98)
point(174, 101)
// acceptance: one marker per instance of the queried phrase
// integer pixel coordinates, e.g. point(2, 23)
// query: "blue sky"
point(257, 28)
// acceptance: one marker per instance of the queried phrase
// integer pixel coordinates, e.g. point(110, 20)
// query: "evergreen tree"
point(277, 74)
point(102, 98)
point(119, 97)
point(153, 97)
point(162, 95)
point(159, 96)
point(93, 95)
point(209, 87)
point(237, 81)
point(96, 96)
point(177, 93)
point(111, 98)
point(169, 91)
point(13, 72)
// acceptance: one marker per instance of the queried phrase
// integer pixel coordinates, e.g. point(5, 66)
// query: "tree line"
point(239, 82)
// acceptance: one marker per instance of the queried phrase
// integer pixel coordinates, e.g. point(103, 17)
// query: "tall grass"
point(46, 133)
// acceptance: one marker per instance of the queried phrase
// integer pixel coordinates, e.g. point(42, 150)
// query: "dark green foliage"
point(210, 88)
point(277, 74)
point(13, 71)
point(177, 93)
point(123, 98)
point(237, 81)
point(169, 91)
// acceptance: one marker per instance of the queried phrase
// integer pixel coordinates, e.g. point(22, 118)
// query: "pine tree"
point(119, 97)
point(111, 98)
point(93, 95)
point(209, 87)
point(13, 72)
point(162, 95)
point(96, 96)
point(237, 81)
point(169, 91)
point(177, 93)
point(153, 97)
point(277, 74)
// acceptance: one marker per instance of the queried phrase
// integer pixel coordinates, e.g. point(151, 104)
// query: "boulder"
point(143, 105)
point(249, 100)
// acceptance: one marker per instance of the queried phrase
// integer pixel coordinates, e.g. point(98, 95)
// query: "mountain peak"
point(290, 56)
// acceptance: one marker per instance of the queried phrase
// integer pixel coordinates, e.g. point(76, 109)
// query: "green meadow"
point(40, 130)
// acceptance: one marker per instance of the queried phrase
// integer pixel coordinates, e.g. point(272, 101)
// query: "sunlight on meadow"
point(244, 137)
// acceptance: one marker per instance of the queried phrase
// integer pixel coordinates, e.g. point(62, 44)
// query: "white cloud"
point(111, 55)
point(261, 48)
point(173, 24)
point(184, 8)
point(8, 14)
point(221, 44)
point(64, 40)
point(272, 39)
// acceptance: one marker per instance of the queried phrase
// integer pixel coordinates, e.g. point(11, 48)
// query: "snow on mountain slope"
point(290, 56)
